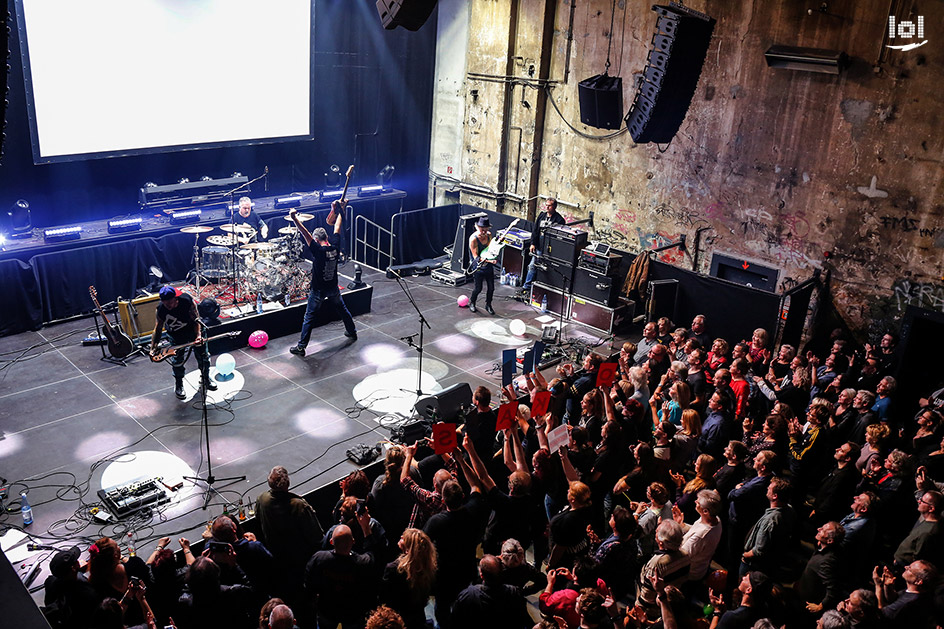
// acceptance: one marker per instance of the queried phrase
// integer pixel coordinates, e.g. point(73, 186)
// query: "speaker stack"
point(597, 276)
point(562, 246)
point(679, 46)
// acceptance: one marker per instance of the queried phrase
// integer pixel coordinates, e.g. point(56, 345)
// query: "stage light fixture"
point(18, 220)
point(150, 184)
point(206, 178)
point(370, 191)
point(292, 201)
point(333, 177)
point(185, 216)
point(328, 195)
point(358, 275)
point(124, 225)
point(60, 234)
point(183, 180)
point(385, 176)
point(236, 174)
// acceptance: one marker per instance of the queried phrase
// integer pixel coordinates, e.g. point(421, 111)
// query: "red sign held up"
point(444, 438)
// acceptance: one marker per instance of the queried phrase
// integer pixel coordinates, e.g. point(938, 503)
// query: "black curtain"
point(372, 106)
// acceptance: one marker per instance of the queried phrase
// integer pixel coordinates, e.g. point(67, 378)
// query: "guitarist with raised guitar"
point(484, 271)
point(177, 314)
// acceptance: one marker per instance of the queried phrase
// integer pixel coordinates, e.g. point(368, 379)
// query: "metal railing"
point(364, 229)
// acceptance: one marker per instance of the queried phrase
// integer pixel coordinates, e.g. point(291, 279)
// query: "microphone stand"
point(210, 479)
point(232, 222)
point(409, 339)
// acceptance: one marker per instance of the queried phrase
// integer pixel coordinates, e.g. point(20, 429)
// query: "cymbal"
point(291, 229)
point(302, 217)
point(196, 229)
point(258, 246)
point(227, 240)
point(242, 229)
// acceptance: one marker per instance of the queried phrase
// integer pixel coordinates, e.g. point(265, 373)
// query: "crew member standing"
point(247, 216)
point(324, 276)
point(549, 218)
point(177, 314)
point(484, 272)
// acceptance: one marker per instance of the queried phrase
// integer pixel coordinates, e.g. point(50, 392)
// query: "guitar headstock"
point(93, 292)
point(350, 171)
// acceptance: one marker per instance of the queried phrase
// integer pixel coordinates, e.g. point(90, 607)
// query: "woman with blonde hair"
point(705, 468)
point(686, 439)
point(408, 579)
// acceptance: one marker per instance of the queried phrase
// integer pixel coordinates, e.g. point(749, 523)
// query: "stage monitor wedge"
point(410, 14)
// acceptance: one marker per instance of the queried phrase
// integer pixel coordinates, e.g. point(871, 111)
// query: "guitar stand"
point(210, 490)
point(108, 358)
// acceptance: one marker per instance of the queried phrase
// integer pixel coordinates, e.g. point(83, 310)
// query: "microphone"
point(40, 547)
point(266, 173)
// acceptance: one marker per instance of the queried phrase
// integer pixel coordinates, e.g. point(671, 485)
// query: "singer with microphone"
point(247, 216)
point(549, 218)
point(325, 253)
point(484, 272)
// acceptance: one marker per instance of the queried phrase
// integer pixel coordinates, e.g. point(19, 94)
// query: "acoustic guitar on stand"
point(119, 343)
point(332, 215)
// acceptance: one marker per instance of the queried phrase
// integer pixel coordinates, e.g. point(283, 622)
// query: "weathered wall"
point(777, 164)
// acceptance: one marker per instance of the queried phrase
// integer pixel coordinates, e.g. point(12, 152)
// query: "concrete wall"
point(772, 166)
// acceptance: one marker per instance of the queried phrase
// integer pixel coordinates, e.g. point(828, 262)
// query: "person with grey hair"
point(290, 530)
point(701, 539)
point(325, 253)
point(924, 540)
point(861, 608)
point(670, 565)
point(821, 584)
point(281, 617)
point(833, 620)
point(913, 606)
point(245, 215)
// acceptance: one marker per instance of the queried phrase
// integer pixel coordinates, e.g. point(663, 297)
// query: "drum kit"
point(273, 269)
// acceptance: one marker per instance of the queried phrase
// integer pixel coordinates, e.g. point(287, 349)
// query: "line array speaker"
point(679, 46)
point(410, 14)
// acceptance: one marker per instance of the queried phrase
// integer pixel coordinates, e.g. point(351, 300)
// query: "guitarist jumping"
point(178, 315)
point(478, 242)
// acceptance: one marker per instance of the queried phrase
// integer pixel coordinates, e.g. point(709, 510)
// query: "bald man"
point(340, 582)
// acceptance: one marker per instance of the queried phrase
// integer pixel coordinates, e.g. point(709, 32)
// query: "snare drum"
point(216, 262)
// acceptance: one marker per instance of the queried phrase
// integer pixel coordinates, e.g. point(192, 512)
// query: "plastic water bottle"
point(544, 303)
point(26, 510)
point(131, 551)
point(259, 303)
point(504, 277)
point(288, 299)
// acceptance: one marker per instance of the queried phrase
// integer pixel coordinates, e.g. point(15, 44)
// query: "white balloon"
point(517, 327)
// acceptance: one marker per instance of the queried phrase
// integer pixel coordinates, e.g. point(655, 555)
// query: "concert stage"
point(73, 424)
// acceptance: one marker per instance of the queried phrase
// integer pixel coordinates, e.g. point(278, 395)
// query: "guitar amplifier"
point(597, 257)
point(563, 243)
point(559, 275)
point(596, 286)
point(138, 316)
point(602, 318)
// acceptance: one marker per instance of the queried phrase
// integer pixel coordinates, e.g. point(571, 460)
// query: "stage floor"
point(71, 423)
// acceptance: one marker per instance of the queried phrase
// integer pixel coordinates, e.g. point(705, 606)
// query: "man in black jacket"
point(820, 586)
point(831, 501)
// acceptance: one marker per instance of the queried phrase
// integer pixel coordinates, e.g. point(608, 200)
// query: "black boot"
point(179, 388)
point(472, 307)
point(489, 309)
point(210, 384)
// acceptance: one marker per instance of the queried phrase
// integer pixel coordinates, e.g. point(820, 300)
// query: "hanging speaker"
point(679, 46)
point(601, 101)
point(410, 14)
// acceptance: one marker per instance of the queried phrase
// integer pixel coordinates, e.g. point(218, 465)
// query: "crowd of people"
point(714, 484)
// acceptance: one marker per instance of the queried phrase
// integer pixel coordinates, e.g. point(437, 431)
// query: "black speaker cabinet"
point(555, 299)
point(679, 46)
point(558, 274)
point(410, 14)
point(602, 318)
point(601, 101)
point(563, 243)
point(597, 287)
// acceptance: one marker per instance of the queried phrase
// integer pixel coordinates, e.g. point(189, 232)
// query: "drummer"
point(248, 216)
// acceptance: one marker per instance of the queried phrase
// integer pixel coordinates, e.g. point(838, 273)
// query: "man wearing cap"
point(70, 600)
point(549, 218)
point(325, 253)
point(477, 243)
point(178, 314)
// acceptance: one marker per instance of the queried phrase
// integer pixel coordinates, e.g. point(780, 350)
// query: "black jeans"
point(201, 353)
point(487, 275)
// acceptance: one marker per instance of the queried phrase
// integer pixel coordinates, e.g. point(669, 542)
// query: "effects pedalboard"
point(124, 500)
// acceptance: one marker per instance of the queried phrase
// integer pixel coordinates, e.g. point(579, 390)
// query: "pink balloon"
point(258, 339)
point(463, 301)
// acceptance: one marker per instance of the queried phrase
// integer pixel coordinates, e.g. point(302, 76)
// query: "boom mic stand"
point(232, 222)
point(409, 339)
point(210, 479)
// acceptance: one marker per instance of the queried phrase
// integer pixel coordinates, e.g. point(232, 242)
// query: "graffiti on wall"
point(654, 240)
point(921, 294)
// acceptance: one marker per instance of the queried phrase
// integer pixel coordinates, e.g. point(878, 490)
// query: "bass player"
point(177, 313)
point(484, 271)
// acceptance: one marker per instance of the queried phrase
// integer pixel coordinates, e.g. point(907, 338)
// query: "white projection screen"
point(120, 77)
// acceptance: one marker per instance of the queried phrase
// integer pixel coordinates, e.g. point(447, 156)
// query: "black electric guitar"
point(332, 215)
point(119, 343)
point(489, 254)
point(165, 351)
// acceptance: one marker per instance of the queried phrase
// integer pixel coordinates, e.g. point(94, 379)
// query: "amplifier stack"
point(597, 276)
